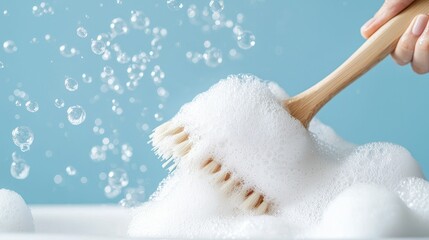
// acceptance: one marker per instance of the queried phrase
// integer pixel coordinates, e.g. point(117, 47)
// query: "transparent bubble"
point(97, 154)
point(126, 152)
point(108, 70)
point(216, 5)
point(76, 115)
point(1, 65)
point(134, 197)
point(212, 57)
point(9, 46)
point(86, 78)
point(111, 192)
point(162, 92)
point(246, 40)
point(139, 20)
point(158, 117)
point(71, 171)
point(98, 47)
point(59, 103)
point(118, 178)
point(143, 168)
point(83, 180)
point(118, 26)
point(67, 51)
point(192, 11)
point(157, 74)
point(19, 169)
point(174, 4)
point(23, 137)
point(18, 103)
point(32, 106)
point(132, 85)
point(71, 84)
point(58, 179)
point(81, 32)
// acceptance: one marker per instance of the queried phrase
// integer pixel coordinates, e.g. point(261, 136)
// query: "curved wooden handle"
point(306, 104)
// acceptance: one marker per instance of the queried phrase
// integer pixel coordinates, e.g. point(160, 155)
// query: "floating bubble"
point(76, 115)
point(212, 57)
point(216, 5)
point(59, 103)
point(86, 78)
point(81, 32)
point(139, 20)
point(132, 85)
point(174, 4)
point(71, 84)
point(98, 47)
point(71, 171)
point(83, 180)
point(32, 106)
point(18, 103)
point(118, 26)
point(19, 169)
point(157, 74)
point(246, 40)
point(23, 137)
point(192, 11)
point(1, 65)
point(162, 92)
point(97, 154)
point(58, 179)
point(9, 46)
point(111, 192)
point(143, 168)
point(158, 117)
point(117, 178)
point(67, 51)
point(108, 70)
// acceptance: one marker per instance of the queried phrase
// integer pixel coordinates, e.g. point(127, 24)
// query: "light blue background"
point(297, 44)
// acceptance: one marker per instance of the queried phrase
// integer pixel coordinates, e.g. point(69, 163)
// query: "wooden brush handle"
point(306, 104)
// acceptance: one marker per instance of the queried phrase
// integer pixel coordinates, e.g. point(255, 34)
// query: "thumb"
point(389, 9)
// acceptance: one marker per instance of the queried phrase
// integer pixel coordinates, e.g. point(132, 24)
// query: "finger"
point(389, 9)
point(421, 53)
point(404, 51)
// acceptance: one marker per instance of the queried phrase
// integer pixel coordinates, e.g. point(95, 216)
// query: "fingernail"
point(367, 24)
point(419, 25)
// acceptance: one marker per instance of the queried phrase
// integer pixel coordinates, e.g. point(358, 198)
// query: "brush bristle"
point(171, 143)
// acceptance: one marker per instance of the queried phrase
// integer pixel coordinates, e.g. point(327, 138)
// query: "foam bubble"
point(15, 216)
point(307, 176)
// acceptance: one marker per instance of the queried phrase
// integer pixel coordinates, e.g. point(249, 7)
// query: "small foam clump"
point(15, 216)
point(314, 179)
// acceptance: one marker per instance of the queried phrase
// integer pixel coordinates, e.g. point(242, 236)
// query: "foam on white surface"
point(241, 123)
point(15, 216)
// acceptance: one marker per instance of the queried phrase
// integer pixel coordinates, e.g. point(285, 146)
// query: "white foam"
point(241, 123)
point(15, 216)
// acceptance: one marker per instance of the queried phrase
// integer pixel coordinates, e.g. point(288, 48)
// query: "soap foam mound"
point(307, 175)
point(15, 216)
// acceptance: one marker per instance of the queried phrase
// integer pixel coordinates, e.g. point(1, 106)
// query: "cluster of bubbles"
point(212, 18)
point(98, 129)
point(9, 46)
point(19, 169)
point(42, 9)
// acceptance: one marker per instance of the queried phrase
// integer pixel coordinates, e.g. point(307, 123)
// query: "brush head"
point(171, 143)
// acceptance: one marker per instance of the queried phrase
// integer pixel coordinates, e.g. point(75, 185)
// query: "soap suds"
point(307, 175)
point(15, 216)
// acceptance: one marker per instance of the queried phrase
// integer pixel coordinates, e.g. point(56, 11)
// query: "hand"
point(413, 46)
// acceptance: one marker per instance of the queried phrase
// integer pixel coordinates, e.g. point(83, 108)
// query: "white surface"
point(83, 222)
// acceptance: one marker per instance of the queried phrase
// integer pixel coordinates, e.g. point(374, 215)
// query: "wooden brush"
point(171, 142)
